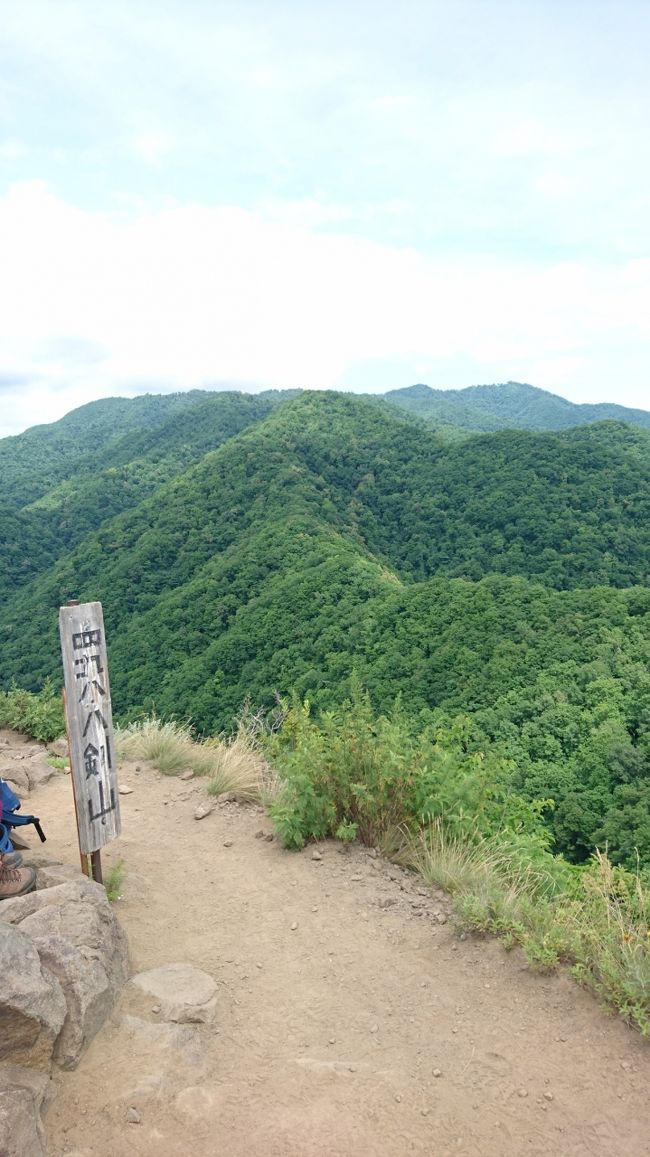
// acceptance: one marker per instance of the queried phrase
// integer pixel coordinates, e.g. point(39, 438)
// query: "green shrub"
point(38, 715)
point(380, 774)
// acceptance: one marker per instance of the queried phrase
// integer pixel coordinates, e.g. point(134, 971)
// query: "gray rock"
point(16, 910)
point(74, 930)
point(51, 875)
point(59, 747)
point(202, 811)
point(15, 771)
point(22, 1096)
point(32, 1004)
point(186, 995)
point(39, 771)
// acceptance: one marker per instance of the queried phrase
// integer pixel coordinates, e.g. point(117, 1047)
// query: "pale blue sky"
point(354, 195)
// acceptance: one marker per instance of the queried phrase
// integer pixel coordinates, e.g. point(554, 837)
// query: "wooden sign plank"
point(93, 758)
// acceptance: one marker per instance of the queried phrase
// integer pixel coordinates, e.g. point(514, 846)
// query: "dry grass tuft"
point(235, 764)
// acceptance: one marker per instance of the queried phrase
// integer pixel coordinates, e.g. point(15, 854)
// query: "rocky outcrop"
point(64, 961)
point(32, 1004)
point(26, 769)
point(71, 931)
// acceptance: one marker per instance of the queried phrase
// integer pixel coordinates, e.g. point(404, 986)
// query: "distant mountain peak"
point(504, 405)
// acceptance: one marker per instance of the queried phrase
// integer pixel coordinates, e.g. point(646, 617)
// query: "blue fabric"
point(5, 843)
point(9, 805)
point(9, 801)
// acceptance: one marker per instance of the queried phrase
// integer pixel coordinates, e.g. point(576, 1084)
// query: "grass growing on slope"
point(231, 764)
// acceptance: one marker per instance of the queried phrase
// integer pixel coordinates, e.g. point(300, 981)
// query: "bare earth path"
point(340, 999)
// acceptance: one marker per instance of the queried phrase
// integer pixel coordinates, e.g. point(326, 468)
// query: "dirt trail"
point(341, 996)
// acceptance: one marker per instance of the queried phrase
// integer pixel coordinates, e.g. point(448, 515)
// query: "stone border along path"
point(349, 1018)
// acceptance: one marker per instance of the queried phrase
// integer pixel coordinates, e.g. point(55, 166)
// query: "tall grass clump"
point(233, 764)
point(610, 922)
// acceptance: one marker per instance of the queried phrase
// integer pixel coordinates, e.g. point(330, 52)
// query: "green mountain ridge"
point(508, 405)
point(255, 547)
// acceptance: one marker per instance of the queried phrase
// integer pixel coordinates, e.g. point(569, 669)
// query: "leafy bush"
point(38, 715)
point(377, 774)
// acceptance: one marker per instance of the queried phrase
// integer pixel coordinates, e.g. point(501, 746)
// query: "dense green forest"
point(246, 547)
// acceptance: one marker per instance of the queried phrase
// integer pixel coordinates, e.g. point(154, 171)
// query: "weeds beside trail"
point(233, 764)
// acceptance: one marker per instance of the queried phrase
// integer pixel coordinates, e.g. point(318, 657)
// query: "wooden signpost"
point(89, 721)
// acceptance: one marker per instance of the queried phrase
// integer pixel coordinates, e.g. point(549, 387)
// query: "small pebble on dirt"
point(548, 1096)
point(156, 1008)
point(374, 1028)
point(522, 1092)
point(133, 1116)
point(202, 811)
point(332, 1040)
point(260, 835)
point(294, 926)
point(269, 838)
point(437, 1072)
point(124, 789)
point(316, 855)
point(398, 1097)
point(227, 843)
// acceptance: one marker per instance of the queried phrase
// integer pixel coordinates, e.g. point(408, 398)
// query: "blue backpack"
point(9, 818)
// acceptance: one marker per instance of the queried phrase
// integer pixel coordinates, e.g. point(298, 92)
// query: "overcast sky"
point(357, 195)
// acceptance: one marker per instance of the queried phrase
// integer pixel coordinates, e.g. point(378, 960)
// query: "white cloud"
point(92, 304)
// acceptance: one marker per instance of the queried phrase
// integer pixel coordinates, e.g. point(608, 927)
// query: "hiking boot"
point(16, 881)
point(10, 859)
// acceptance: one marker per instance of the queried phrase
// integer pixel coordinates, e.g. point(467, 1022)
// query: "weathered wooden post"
point(89, 721)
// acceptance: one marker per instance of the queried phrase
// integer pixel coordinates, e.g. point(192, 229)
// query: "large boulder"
point(23, 1095)
point(80, 888)
point(32, 1004)
point(81, 943)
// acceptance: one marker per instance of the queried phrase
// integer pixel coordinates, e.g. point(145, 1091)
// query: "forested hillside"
point(62, 481)
point(507, 405)
point(250, 546)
